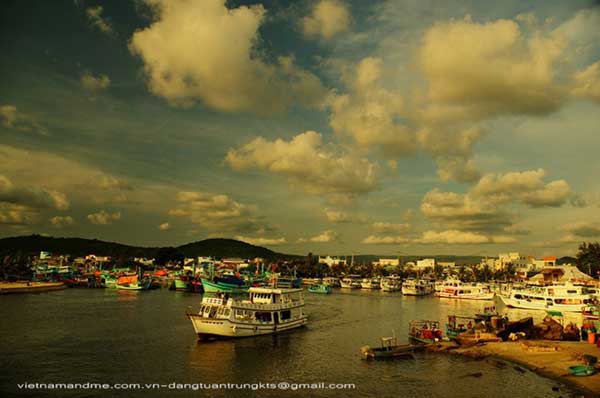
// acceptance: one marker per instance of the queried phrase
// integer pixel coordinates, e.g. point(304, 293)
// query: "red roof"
point(549, 258)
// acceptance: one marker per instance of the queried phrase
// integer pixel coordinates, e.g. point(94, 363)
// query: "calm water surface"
point(110, 336)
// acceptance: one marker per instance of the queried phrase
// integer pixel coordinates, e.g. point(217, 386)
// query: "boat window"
point(572, 291)
point(285, 315)
point(518, 296)
point(263, 316)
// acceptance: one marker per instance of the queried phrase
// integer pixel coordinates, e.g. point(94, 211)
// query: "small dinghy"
point(319, 288)
point(582, 370)
point(389, 349)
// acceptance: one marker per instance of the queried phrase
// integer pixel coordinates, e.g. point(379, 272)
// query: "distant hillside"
point(33, 244)
point(219, 248)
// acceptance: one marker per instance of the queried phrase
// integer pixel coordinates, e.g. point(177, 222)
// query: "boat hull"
point(210, 328)
point(540, 305)
point(482, 296)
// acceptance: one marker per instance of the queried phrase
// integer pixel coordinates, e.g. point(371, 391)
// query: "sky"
point(327, 126)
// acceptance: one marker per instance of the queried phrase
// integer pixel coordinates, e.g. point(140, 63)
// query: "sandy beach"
point(548, 358)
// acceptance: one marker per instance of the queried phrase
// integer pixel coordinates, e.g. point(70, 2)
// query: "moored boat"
point(370, 283)
point(350, 282)
point(264, 311)
point(389, 349)
point(456, 289)
point(319, 288)
point(391, 284)
point(566, 298)
point(424, 332)
point(417, 287)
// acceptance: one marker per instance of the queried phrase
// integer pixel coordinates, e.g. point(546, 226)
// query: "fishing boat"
point(222, 287)
point(265, 310)
point(320, 288)
point(389, 349)
point(370, 283)
point(417, 287)
point(350, 282)
point(391, 284)
point(456, 289)
point(565, 298)
point(128, 282)
point(453, 329)
point(424, 332)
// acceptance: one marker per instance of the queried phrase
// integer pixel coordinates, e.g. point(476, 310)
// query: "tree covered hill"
point(219, 248)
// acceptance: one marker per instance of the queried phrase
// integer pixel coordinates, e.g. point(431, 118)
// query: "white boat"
point(417, 287)
point(370, 283)
point(564, 298)
point(391, 284)
point(265, 311)
point(350, 282)
point(331, 281)
point(456, 289)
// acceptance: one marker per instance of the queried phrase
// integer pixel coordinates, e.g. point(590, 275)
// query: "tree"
point(166, 254)
point(588, 258)
point(438, 271)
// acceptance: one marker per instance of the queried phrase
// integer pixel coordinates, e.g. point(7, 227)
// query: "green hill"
point(219, 248)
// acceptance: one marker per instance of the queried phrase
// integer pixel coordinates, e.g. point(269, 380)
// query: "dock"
point(30, 287)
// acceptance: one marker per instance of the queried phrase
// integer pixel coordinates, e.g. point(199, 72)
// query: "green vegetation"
point(588, 258)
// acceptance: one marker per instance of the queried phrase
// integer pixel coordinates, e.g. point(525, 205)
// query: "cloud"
point(585, 229)
point(479, 70)
point(527, 187)
point(93, 83)
point(385, 240)
point(370, 114)
point(463, 212)
point(324, 237)
point(455, 237)
point(62, 221)
point(32, 196)
point(307, 163)
point(216, 212)
point(18, 215)
point(338, 217)
point(164, 226)
point(12, 118)
point(94, 15)
point(262, 241)
point(327, 19)
point(386, 227)
point(202, 51)
point(586, 83)
point(103, 218)
point(49, 172)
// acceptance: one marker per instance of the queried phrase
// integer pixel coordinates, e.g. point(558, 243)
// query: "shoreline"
point(30, 287)
point(546, 358)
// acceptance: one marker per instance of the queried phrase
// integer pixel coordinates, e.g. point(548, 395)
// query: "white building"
point(331, 261)
point(387, 262)
point(426, 263)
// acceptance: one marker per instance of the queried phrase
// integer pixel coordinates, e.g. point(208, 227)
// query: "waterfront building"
point(331, 261)
point(561, 274)
point(425, 263)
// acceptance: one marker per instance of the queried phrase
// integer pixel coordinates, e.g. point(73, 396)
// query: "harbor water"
point(110, 336)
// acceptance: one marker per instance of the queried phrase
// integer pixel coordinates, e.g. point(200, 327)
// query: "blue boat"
point(319, 288)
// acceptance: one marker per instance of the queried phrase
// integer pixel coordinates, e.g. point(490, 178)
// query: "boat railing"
point(257, 306)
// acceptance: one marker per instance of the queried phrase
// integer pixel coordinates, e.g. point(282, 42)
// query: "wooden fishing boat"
point(319, 288)
point(424, 332)
point(389, 349)
point(582, 370)
point(221, 287)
